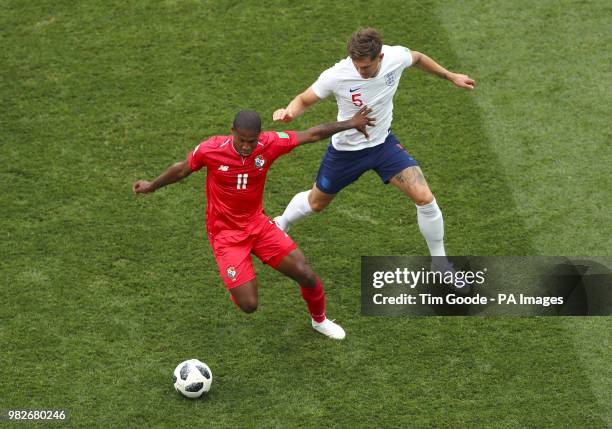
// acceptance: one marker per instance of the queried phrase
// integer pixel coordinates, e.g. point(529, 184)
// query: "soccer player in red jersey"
point(235, 220)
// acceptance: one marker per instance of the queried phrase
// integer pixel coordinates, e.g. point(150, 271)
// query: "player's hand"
point(142, 187)
point(463, 81)
point(282, 115)
point(361, 120)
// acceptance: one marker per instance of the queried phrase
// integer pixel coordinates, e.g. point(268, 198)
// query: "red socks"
point(315, 299)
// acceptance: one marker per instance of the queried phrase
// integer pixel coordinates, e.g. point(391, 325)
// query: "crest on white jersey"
point(259, 161)
point(390, 78)
point(223, 168)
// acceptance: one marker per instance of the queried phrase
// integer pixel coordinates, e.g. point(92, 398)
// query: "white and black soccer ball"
point(192, 378)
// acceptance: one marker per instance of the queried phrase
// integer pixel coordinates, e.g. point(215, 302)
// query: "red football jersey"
point(235, 184)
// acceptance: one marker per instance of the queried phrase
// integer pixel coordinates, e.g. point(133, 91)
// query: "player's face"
point(244, 141)
point(367, 67)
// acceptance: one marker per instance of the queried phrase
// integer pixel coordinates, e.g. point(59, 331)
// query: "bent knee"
point(318, 205)
point(248, 306)
point(302, 273)
point(423, 198)
point(308, 278)
point(318, 200)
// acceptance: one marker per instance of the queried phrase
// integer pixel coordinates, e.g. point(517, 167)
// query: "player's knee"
point(317, 202)
point(318, 205)
point(310, 281)
point(248, 305)
point(308, 276)
point(423, 198)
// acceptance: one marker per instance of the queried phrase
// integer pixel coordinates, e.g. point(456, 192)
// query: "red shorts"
point(232, 250)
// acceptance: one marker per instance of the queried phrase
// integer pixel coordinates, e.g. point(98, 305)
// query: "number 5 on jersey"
point(242, 181)
point(356, 100)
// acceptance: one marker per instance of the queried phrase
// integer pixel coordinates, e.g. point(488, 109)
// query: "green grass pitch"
point(102, 293)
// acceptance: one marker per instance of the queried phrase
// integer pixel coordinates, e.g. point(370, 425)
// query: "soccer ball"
point(192, 378)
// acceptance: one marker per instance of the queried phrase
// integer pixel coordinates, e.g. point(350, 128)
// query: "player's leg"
point(338, 169)
point(303, 204)
point(275, 248)
point(245, 296)
point(394, 165)
point(429, 216)
point(232, 254)
point(295, 266)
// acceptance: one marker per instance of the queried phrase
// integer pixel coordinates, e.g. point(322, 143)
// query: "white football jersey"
point(352, 91)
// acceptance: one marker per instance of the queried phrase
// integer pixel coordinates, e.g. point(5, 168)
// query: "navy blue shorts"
point(340, 168)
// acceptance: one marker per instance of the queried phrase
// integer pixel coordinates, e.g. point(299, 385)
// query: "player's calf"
point(303, 204)
point(319, 200)
point(298, 208)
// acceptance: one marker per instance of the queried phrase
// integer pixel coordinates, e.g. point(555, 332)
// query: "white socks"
point(431, 225)
point(297, 209)
point(429, 218)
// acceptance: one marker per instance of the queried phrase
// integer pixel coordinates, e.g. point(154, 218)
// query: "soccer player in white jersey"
point(369, 76)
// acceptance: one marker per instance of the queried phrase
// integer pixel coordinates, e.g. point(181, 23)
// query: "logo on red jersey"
point(259, 161)
point(231, 273)
point(223, 167)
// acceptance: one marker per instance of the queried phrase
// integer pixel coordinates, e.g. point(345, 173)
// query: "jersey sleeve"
point(282, 142)
point(406, 56)
point(197, 157)
point(325, 84)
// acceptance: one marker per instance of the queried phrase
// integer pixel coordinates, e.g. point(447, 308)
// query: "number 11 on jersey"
point(242, 181)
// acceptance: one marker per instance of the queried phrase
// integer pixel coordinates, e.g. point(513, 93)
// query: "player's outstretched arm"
point(297, 106)
point(359, 121)
point(174, 173)
point(423, 62)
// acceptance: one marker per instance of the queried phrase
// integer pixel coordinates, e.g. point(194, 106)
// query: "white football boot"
point(330, 329)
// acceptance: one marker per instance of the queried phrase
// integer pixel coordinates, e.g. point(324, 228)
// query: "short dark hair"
point(365, 42)
point(247, 120)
